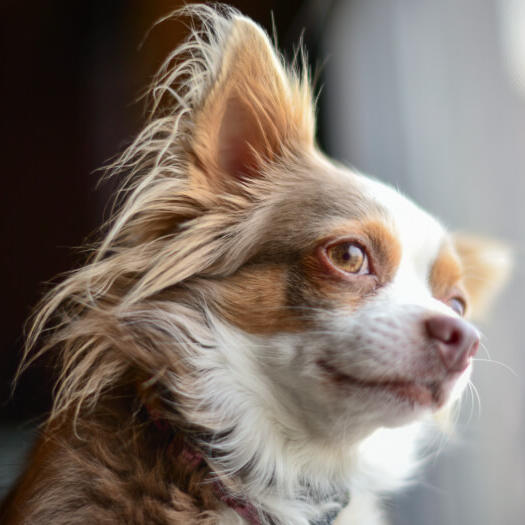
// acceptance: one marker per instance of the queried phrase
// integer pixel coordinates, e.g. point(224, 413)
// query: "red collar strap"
point(193, 458)
point(242, 507)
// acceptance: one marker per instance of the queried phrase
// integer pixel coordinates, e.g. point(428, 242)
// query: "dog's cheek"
point(255, 300)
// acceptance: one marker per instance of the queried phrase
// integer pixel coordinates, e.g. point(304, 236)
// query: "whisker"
point(475, 393)
point(472, 402)
point(485, 349)
point(503, 365)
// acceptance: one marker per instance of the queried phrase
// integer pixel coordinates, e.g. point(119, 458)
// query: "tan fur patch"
point(386, 249)
point(446, 272)
point(486, 264)
point(255, 300)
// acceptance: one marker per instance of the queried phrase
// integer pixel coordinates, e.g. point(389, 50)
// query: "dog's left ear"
point(486, 268)
point(254, 112)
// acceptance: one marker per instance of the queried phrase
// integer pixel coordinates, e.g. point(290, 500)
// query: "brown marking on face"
point(385, 249)
point(486, 264)
point(266, 297)
point(313, 283)
point(446, 274)
point(255, 299)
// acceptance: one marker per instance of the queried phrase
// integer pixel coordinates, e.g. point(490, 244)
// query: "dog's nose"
point(456, 340)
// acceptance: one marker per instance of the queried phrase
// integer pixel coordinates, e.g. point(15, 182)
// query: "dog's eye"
point(348, 257)
point(458, 305)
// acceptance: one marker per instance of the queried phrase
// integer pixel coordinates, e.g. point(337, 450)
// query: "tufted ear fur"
point(254, 112)
point(486, 268)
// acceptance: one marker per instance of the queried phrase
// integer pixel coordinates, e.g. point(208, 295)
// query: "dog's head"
point(352, 299)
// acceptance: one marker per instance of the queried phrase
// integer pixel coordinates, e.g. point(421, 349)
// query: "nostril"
point(445, 329)
point(456, 340)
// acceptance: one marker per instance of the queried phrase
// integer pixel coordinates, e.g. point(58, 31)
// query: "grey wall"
point(420, 94)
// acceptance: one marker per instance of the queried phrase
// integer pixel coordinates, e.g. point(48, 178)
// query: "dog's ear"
point(486, 267)
point(254, 112)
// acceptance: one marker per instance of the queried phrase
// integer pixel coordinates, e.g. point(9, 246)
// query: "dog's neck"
point(185, 452)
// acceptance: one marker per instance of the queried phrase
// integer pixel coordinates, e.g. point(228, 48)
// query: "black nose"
point(456, 340)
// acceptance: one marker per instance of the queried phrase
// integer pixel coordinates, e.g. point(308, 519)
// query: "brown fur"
point(256, 300)
point(114, 470)
point(446, 274)
point(472, 268)
point(486, 265)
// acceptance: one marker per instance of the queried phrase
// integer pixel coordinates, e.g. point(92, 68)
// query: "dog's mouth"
point(431, 394)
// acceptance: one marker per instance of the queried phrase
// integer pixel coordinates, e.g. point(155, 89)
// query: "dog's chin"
point(399, 400)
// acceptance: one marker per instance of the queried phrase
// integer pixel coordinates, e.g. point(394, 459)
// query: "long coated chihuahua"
point(262, 334)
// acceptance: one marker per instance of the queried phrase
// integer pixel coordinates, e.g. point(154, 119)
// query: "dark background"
point(71, 74)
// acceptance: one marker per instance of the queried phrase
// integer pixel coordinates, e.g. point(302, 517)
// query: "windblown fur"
point(187, 317)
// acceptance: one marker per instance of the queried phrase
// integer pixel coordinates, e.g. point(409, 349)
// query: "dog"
point(263, 336)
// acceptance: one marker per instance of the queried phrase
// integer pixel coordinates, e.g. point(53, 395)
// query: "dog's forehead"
point(420, 234)
point(324, 198)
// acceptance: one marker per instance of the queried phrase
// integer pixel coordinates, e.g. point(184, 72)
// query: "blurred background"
point(427, 95)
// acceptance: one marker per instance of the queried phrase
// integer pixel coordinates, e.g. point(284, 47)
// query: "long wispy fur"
point(106, 319)
point(162, 233)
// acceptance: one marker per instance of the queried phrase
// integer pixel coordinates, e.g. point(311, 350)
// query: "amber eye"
point(458, 305)
point(348, 257)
